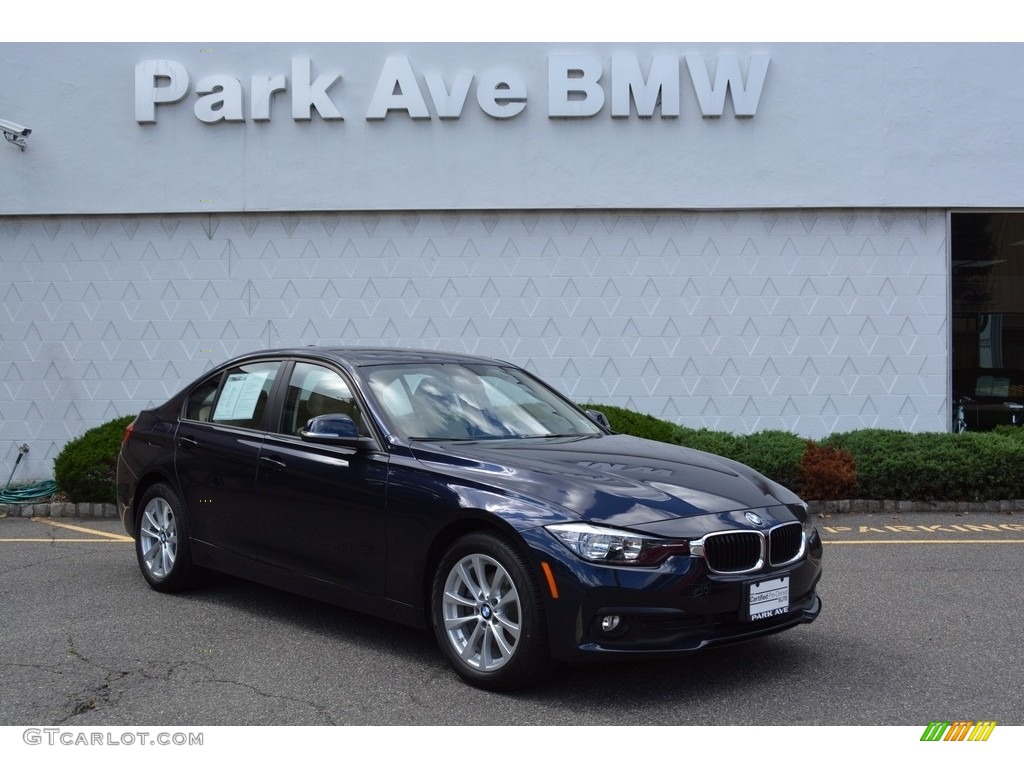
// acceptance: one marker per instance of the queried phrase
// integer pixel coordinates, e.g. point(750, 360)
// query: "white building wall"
point(808, 320)
point(866, 125)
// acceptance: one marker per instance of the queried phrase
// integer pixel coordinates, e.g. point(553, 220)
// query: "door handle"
point(187, 442)
point(272, 463)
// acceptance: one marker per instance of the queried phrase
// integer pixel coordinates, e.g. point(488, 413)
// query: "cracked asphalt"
point(909, 633)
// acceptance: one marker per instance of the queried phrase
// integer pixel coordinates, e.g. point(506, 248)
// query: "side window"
point(317, 391)
point(243, 395)
point(200, 401)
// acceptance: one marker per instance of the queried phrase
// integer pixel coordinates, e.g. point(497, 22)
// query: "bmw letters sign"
point(578, 86)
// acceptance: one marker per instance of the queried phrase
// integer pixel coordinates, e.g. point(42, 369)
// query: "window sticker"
point(240, 396)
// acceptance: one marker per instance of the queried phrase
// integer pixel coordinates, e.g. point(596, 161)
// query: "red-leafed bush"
point(827, 473)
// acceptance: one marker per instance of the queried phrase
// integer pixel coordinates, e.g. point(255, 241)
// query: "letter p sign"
point(158, 81)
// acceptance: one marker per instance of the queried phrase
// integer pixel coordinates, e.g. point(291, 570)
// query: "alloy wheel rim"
point(482, 613)
point(158, 538)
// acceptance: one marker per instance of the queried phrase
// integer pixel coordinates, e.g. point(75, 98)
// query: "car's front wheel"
point(162, 543)
point(488, 616)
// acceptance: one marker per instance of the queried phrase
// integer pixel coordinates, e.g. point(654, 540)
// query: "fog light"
point(610, 623)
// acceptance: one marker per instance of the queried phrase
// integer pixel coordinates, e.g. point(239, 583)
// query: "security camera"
point(15, 133)
point(18, 130)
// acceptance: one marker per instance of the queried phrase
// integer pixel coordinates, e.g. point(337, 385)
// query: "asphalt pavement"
point(921, 621)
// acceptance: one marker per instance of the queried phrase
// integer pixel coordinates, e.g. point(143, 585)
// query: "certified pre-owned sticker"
point(769, 598)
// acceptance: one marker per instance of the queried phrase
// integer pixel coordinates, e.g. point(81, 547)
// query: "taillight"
point(127, 433)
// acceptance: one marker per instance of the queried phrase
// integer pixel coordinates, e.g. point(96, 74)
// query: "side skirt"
point(223, 561)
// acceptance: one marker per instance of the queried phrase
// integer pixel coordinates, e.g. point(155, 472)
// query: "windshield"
point(452, 401)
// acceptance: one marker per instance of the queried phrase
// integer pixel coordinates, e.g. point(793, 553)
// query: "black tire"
point(162, 544)
point(488, 616)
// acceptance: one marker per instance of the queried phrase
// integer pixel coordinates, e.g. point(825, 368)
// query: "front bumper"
point(672, 610)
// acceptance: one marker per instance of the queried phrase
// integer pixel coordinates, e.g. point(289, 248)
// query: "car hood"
point(612, 479)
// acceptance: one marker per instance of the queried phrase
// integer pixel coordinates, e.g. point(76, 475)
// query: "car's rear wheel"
point(162, 543)
point(488, 616)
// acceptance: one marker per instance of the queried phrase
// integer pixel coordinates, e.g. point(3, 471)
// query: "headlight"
point(803, 514)
point(611, 545)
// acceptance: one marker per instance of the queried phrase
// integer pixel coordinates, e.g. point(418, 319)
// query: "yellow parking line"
point(80, 529)
point(61, 541)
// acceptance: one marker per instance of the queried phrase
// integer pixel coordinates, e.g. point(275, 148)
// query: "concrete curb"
point(890, 506)
point(843, 506)
point(59, 510)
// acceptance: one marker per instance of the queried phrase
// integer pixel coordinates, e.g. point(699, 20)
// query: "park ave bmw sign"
point(578, 86)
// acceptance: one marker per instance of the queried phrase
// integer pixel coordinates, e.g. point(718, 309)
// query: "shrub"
point(973, 466)
point(1008, 430)
point(827, 473)
point(85, 468)
point(775, 454)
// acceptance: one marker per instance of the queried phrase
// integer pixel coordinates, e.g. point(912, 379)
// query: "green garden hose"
point(26, 494)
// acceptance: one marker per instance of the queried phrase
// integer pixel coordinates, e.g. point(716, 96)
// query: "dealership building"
point(808, 237)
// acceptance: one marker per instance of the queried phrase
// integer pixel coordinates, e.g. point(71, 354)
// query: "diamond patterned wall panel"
point(810, 320)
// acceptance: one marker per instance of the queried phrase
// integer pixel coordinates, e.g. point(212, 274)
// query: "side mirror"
point(600, 419)
point(335, 429)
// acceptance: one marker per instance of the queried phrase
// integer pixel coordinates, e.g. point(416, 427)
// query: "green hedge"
point(935, 466)
point(85, 468)
point(886, 464)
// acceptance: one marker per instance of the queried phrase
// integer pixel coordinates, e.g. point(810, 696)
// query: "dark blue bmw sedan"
point(463, 495)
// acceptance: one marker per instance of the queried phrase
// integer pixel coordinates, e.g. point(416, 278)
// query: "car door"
point(322, 507)
point(217, 446)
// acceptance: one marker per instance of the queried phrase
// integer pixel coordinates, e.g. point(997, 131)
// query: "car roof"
point(363, 356)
